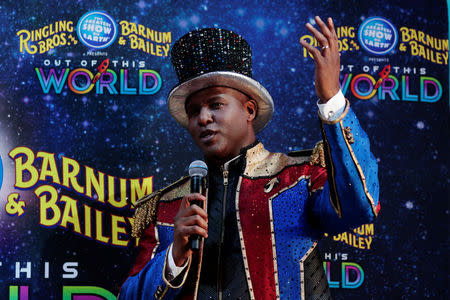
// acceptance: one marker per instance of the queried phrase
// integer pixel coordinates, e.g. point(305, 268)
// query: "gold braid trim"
point(146, 207)
point(318, 155)
point(145, 213)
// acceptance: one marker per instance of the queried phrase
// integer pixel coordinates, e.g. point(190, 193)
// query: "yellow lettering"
point(70, 214)
point(405, 36)
point(42, 48)
point(87, 221)
point(369, 229)
point(71, 169)
point(47, 206)
point(361, 243)
point(97, 183)
point(444, 45)
point(344, 237)
point(158, 37)
point(158, 50)
point(49, 44)
point(422, 51)
point(413, 34)
point(24, 167)
point(99, 227)
point(125, 29)
point(343, 45)
point(445, 57)
point(359, 230)
point(422, 37)
point(351, 32)
point(133, 28)
point(430, 41)
point(141, 44)
point(165, 49)
point(70, 26)
point(414, 48)
point(310, 40)
point(133, 41)
point(116, 230)
point(345, 31)
point(138, 191)
point(45, 31)
point(48, 168)
point(368, 241)
point(112, 194)
point(24, 37)
point(167, 37)
point(141, 30)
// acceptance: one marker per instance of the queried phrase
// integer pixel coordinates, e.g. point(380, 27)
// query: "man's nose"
point(205, 116)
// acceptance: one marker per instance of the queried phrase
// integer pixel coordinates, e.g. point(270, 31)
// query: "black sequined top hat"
point(215, 57)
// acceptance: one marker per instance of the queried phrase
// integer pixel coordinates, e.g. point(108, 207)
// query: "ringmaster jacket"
point(282, 205)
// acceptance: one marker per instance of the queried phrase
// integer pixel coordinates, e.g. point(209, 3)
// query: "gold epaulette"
point(318, 155)
point(146, 209)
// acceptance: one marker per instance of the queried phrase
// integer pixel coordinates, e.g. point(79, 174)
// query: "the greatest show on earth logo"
point(377, 35)
point(97, 29)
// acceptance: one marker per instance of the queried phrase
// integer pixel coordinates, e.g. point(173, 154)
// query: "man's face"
point(220, 122)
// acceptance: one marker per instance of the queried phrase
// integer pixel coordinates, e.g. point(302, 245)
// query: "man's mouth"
point(207, 135)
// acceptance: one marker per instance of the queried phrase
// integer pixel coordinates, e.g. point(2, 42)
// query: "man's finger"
point(195, 229)
point(186, 201)
point(333, 31)
point(191, 211)
point(331, 38)
point(323, 27)
point(194, 220)
point(317, 34)
point(313, 50)
point(331, 27)
point(326, 32)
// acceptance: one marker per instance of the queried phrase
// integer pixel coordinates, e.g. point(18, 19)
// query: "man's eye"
point(216, 105)
point(192, 113)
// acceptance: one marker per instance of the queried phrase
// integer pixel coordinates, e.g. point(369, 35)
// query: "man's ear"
point(251, 107)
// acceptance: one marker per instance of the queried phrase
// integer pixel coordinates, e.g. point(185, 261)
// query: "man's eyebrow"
point(189, 104)
point(214, 98)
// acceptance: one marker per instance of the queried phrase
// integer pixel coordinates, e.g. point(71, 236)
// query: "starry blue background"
point(134, 136)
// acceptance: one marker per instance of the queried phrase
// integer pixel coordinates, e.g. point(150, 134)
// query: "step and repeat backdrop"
point(85, 132)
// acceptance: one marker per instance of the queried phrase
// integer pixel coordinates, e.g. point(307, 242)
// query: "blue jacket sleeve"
point(350, 196)
point(150, 282)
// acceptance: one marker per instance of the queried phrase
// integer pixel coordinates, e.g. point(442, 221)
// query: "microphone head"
point(198, 168)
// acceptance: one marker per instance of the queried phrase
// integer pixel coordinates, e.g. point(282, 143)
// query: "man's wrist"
point(333, 108)
point(172, 268)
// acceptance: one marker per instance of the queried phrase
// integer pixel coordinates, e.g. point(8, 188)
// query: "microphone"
point(197, 171)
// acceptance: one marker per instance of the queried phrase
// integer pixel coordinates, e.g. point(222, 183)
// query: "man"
point(264, 211)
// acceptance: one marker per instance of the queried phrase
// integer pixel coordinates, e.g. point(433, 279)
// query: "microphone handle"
point(196, 187)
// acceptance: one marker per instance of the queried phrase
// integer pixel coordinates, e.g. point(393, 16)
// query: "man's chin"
point(214, 153)
point(211, 152)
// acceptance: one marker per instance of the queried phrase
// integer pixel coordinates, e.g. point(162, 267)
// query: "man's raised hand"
point(326, 59)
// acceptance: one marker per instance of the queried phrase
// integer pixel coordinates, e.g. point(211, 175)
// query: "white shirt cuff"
point(172, 267)
point(333, 109)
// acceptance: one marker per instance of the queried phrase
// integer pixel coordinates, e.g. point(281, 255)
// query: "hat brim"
point(250, 87)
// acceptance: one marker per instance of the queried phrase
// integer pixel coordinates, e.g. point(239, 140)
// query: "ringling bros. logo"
point(82, 80)
point(97, 29)
point(377, 35)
